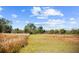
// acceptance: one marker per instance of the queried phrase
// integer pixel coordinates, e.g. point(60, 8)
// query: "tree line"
point(6, 27)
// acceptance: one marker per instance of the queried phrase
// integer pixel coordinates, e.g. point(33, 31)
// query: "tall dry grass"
point(12, 42)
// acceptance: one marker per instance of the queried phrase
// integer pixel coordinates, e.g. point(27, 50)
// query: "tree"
point(0, 28)
point(40, 29)
point(62, 31)
point(17, 30)
point(8, 29)
point(77, 31)
point(5, 26)
point(30, 28)
point(56, 31)
point(51, 31)
point(73, 31)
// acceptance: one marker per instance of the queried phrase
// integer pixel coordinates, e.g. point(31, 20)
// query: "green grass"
point(49, 43)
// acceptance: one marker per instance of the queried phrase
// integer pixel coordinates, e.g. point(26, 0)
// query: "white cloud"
point(53, 12)
point(17, 21)
point(14, 15)
point(36, 11)
point(57, 24)
point(72, 19)
point(1, 8)
point(40, 23)
point(55, 21)
point(52, 22)
point(42, 17)
point(1, 16)
point(45, 12)
point(23, 10)
point(27, 22)
point(73, 22)
point(49, 27)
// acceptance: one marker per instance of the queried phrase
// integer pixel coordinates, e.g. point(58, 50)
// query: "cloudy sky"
point(50, 17)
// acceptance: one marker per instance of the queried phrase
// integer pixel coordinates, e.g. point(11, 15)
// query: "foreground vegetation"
point(52, 43)
point(12, 42)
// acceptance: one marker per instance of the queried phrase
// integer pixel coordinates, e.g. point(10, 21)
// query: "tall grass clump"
point(12, 42)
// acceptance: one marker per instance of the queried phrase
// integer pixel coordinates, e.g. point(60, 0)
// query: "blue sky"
point(50, 17)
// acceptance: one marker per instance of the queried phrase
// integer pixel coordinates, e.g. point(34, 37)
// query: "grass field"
point(51, 43)
point(39, 43)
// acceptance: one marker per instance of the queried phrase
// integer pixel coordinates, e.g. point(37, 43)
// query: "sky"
point(50, 17)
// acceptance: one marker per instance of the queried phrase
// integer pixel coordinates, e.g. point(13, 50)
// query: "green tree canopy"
point(62, 31)
point(30, 28)
point(40, 29)
point(5, 26)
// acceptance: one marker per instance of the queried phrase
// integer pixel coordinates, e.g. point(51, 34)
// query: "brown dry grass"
point(12, 42)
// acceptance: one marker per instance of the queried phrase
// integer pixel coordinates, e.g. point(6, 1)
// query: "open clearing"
point(49, 43)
